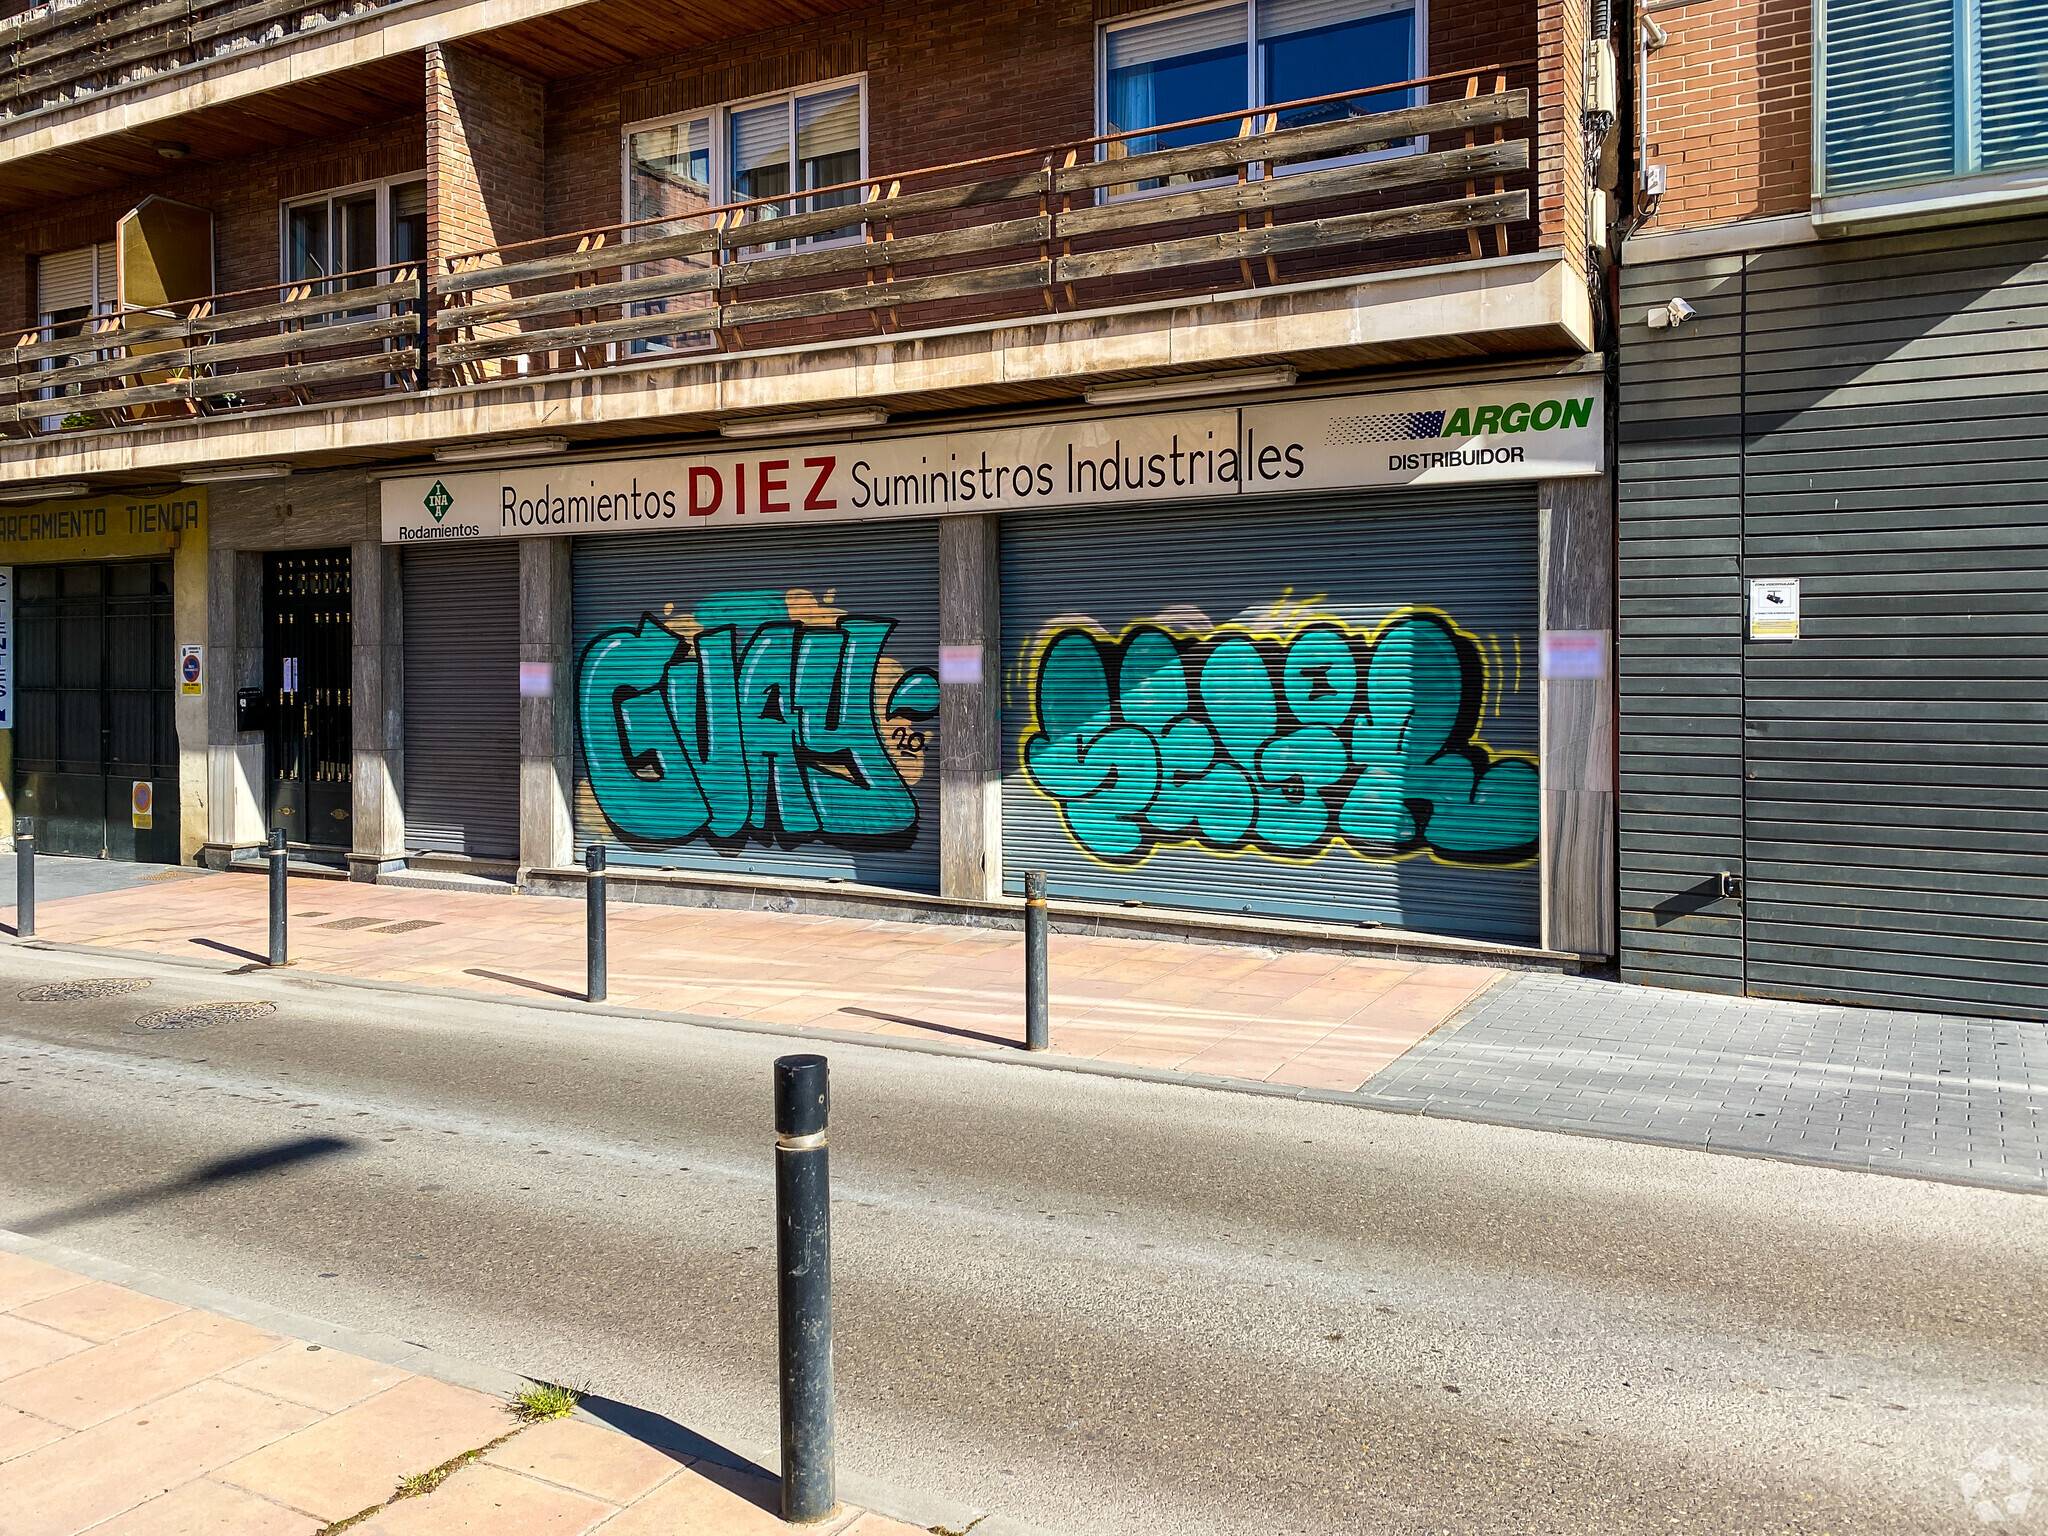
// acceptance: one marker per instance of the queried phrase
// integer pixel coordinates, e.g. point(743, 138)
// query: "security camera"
point(1667, 316)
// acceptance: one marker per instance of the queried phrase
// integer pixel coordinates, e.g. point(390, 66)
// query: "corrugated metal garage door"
point(1850, 414)
point(461, 614)
point(1319, 707)
point(762, 702)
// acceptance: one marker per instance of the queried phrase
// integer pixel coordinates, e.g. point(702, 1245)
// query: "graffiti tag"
point(781, 732)
point(1237, 741)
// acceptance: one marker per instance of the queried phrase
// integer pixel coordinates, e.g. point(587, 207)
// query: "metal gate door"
point(462, 700)
point(306, 666)
point(762, 702)
point(1319, 707)
point(94, 668)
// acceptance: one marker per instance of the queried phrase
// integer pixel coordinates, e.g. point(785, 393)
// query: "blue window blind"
point(1926, 90)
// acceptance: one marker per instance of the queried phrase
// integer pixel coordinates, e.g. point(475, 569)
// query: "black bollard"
point(803, 1257)
point(24, 877)
point(593, 921)
point(1037, 1007)
point(278, 858)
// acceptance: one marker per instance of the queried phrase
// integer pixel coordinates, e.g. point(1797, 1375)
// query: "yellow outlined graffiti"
point(1282, 737)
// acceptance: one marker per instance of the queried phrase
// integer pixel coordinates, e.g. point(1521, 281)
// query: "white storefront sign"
point(1453, 434)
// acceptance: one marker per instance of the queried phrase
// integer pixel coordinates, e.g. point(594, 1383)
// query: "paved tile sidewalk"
point(1926, 1094)
point(125, 1415)
point(1302, 1020)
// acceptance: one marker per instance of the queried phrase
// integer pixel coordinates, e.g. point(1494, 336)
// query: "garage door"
point(1321, 708)
point(762, 703)
point(461, 619)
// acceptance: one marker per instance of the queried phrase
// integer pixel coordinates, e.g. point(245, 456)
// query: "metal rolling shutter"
point(1896, 823)
point(1204, 707)
point(762, 702)
point(462, 700)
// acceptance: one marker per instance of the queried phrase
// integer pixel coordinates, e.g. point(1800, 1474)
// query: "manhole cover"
point(73, 991)
point(200, 1016)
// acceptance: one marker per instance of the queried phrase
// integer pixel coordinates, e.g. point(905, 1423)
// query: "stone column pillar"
point(546, 828)
point(1578, 745)
point(970, 712)
point(234, 660)
point(377, 807)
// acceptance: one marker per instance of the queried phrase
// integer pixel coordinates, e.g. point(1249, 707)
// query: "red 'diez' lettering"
point(770, 484)
point(698, 506)
point(816, 500)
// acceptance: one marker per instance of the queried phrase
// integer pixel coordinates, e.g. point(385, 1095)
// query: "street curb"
point(1384, 1103)
point(925, 1510)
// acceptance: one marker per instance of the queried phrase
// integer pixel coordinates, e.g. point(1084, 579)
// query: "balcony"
point(1358, 238)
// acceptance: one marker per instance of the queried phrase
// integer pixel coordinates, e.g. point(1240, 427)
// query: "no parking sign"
point(191, 669)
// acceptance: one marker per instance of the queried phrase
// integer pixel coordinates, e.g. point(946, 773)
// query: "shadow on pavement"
point(224, 1170)
point(665, 1434)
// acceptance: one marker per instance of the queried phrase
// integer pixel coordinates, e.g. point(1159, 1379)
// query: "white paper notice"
point(1774, 609)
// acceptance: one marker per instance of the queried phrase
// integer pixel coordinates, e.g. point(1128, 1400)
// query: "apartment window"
point(1234, 58)
point(73, 289)
point(769, 147)
point(772, 147)
point(355, 237)
point(1929, 90)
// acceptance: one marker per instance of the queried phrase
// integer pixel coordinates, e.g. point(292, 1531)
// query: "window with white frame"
point(780, 147)
point(355, 237)
point(1930, 90)
point(1258, 53)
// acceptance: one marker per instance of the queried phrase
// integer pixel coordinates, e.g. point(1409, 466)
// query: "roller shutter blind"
point(1320, 707)
point(461, 624)
point(80, 278)
point(762, 702)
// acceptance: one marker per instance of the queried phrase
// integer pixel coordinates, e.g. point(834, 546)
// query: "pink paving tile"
point(98, 1311)
point(21, 1433)
point(354, 1459)
point(206, 1508)
point(693, 1505)
point(23, 1279)
point(327, 1379)
point(489, 1501)
point(586, 1457)
point(74, 1483)
point(25, 1345)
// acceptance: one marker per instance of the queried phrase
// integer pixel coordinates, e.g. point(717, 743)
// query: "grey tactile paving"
point(1912, 1093)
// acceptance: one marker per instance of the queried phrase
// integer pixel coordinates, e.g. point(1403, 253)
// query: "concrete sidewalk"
point(126, 1415)
point(1296, 1019)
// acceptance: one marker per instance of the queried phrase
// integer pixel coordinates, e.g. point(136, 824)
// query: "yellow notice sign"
point(117, 526)
point(141, 803)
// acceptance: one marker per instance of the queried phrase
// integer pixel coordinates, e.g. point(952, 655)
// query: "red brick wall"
point(486, 153)
point(1730, 114)
point(243, 194)
point(1562, 28)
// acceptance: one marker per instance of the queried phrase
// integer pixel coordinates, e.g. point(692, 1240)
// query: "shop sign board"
point(121, 525)
point(1451, 434)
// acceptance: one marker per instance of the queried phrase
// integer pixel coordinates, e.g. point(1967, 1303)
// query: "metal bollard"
point(24, 877)
point(803, 1258)
point(278, 858)
point(593, 921)
point(1037, 1007)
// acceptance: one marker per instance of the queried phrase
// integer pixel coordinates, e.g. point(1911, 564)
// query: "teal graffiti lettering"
point(764, 731)
point(1240, 742)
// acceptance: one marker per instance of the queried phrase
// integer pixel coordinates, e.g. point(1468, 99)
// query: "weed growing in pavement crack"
point(539, 1401)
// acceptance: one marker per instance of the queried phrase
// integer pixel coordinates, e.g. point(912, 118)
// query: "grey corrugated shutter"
point(1320, 707)
point(462, 700)
point(2013, 41)
point(65, 280)
point(762, 702)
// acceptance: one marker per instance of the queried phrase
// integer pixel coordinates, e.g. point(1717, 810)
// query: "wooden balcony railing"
point(293, 344)
point(1079, 230)
point(1086, 227)
point(55, 54)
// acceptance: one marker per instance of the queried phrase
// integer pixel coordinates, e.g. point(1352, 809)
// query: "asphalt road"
point(1088, 1304)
